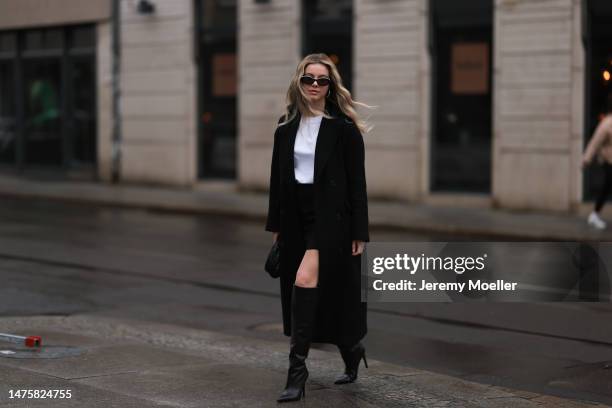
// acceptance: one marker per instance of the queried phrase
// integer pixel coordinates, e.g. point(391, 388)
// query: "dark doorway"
point(461, 52)
point(217, 86)
point(48, 101)
point(327, 27)
point(597, 38)
point(43, 125)
point(8, 94)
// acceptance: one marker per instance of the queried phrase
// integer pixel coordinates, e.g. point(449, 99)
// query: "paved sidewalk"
point(140, 364)
point(492, 223)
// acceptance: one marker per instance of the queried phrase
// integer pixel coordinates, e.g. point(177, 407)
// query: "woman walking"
point(318, 211)
point(601, 145)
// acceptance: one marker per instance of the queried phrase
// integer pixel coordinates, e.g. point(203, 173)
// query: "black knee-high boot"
point(352, 356)
point(303, 309)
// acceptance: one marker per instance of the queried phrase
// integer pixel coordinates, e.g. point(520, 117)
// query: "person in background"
point(600, 145)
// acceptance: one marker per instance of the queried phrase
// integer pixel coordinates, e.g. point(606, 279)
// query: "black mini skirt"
point(306, 210)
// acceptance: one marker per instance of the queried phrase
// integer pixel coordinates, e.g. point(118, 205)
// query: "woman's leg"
point(303, 310)
point(307, 275)
point(605, 189)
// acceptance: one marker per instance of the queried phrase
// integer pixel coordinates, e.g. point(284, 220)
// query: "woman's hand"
point(357, 247)
point(274, 237)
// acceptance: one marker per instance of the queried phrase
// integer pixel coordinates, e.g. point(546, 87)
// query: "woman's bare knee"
point(308, 272)
point(305, 281)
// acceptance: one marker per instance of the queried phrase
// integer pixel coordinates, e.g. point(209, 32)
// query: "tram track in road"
point(124, 272)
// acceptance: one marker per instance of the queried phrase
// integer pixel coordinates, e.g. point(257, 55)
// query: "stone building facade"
point(488, 104)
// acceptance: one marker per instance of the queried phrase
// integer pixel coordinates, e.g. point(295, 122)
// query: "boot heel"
point(365, 361)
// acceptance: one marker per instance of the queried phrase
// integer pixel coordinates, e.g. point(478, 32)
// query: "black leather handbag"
point(273, 262)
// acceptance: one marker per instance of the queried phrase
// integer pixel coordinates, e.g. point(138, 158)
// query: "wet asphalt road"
point(206, 272)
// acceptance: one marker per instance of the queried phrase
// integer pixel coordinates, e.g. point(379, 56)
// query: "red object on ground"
point(33, 341)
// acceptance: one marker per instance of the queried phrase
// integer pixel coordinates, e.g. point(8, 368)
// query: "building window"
point(461, 47)
point(328, 28)
point(7, 112)
point(217, 88)
point(48, 97)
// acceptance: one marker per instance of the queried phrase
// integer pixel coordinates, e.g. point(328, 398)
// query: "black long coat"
point(341, 213)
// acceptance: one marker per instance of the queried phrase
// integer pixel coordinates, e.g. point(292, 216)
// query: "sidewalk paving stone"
point(81, 395)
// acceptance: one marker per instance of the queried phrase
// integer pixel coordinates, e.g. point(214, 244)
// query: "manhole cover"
point(40, 352)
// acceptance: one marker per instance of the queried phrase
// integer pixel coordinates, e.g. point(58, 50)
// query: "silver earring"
point(328, 92)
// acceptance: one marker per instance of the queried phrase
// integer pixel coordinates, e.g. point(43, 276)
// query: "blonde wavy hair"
point(297, 99)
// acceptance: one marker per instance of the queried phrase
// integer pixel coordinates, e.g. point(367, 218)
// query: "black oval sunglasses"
point(308, 80)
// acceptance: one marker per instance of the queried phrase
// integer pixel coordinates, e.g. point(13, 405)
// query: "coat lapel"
point(292, 132)
point(325, 145)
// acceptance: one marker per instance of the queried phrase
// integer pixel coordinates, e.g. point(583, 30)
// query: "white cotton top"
point(304, 149)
